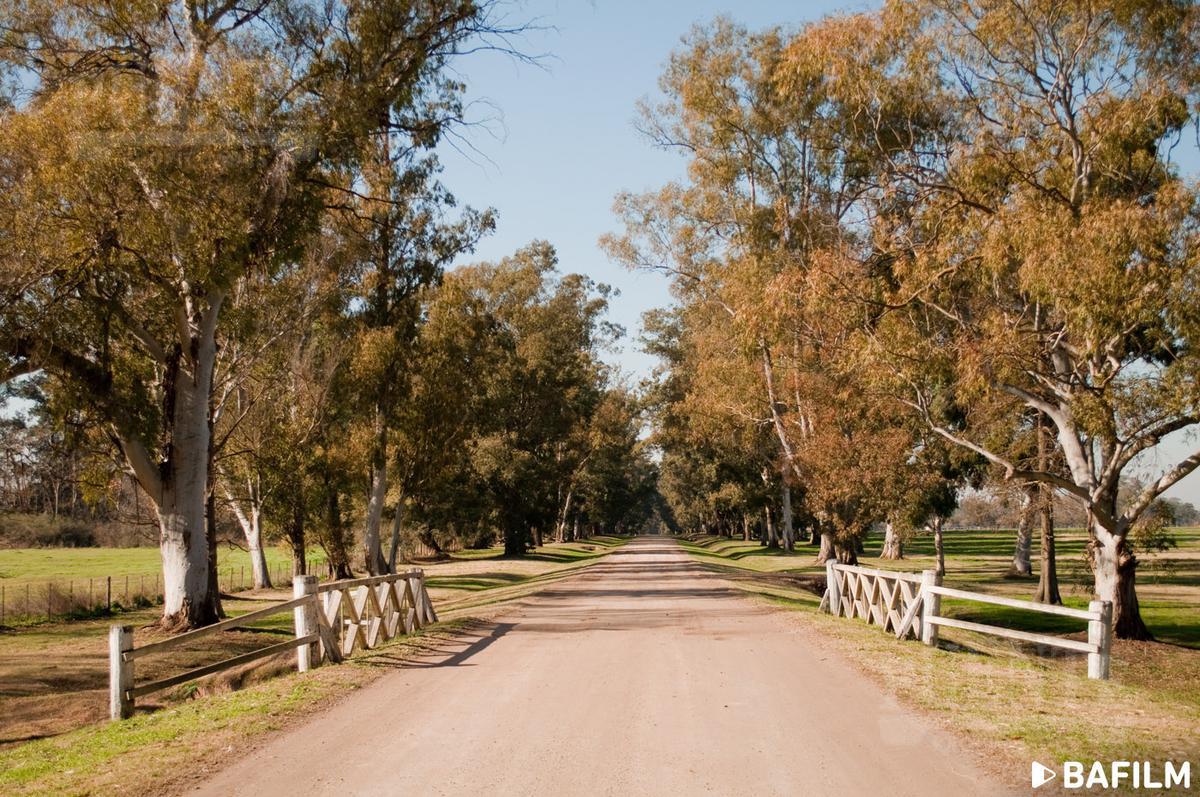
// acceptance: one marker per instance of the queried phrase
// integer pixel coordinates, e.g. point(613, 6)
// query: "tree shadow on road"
point(454, 650)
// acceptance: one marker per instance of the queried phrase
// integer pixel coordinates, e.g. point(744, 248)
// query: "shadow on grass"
point(473, 582)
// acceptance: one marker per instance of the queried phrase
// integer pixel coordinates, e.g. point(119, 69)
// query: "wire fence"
point(27, 602)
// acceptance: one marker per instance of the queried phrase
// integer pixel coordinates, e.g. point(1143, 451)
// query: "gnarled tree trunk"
point(893, 546)
point(1115, 569)
point(846, 554)
point(827, 550)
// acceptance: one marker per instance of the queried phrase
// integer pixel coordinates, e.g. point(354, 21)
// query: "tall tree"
point(405, 244)
point(1051, 261)
point(157, 154)
point(546, 382)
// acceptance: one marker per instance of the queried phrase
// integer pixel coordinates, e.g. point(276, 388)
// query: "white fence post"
point(120, 672)
point(831, 584)
point(306, 621)
point(930, 606)
point(1100, 635)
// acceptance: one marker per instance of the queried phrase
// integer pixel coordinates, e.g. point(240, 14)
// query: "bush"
point(21, 530)
point(478, 539)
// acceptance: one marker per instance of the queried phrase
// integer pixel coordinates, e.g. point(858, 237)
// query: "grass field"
point(1001, 697)
point(37, 584)
point(18, 565)
point(53, 676)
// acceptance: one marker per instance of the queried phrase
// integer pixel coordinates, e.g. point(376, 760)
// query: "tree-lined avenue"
point(642, 675)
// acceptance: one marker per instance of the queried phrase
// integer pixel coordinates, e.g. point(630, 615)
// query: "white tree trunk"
point(187, 598)
point(258, 556)
point(249, 518)
point(1021, 564)
point(561, 530)
point(893, 548)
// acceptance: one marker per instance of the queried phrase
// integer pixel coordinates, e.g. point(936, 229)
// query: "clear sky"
point(564, 144)
point(567, 144)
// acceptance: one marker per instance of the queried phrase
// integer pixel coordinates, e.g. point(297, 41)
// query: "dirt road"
point(643, 675)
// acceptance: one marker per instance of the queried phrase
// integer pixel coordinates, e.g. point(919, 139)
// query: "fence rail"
point(881, 597)
point(890, 600)
point(331, 621)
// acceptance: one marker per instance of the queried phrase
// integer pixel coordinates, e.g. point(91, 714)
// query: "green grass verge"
point(162, 751)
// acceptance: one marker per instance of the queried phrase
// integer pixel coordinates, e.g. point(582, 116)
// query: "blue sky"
point(567, 142)
point(564, 144)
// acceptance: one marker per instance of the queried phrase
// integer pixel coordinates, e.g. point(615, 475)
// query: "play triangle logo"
point(1041, 775)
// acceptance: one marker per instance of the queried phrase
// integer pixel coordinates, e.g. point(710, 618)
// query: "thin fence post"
point(432, 614)
point(930, 606)
point(49, 599)
point(120, 672)
point(831, 584)
point(2, 604)
point(108, 593)
point(127, 590)
point(1100, 635)
point(307, 656)
point(91, 606)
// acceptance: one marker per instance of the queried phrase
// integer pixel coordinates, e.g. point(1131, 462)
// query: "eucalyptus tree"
point(283, 398)
point(544, 380)
point(618, 482)
point(404, 242)
point(1051, 263)
point(783, 133)
point(155, 154)
point(445, 409)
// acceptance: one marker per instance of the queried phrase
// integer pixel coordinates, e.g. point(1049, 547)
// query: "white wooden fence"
point(331, 622)
point(881, 597)
point(910, 603)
